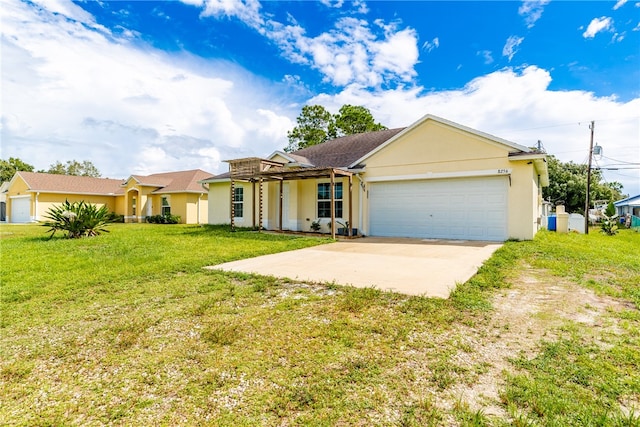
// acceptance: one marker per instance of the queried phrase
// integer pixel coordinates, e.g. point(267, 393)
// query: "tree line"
point(9, 167)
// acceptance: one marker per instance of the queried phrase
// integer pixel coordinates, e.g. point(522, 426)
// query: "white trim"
point(160, 191)
point(441, 175)
point(528, 156)
point(281, 154)
point(21, 196)
point(75, 193)
point(214, 180)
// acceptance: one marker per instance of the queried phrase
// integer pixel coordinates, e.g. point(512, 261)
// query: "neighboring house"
point(434, 179)
point(630, 205)
point(176, 193)
point(30, 195)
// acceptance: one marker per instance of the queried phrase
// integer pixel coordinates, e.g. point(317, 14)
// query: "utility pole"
point(586, 205)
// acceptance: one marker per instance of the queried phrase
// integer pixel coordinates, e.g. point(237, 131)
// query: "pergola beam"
point(256, 170)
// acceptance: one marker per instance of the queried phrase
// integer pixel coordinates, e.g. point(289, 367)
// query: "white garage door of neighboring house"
point(461, 208)
point(20, 209)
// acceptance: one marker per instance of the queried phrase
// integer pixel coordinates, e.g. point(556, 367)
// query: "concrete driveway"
point(410, 266)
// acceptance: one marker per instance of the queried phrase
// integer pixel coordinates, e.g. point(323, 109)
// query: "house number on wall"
point(503, 171)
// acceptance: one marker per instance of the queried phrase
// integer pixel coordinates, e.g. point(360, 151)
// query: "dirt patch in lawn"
point(533, 309)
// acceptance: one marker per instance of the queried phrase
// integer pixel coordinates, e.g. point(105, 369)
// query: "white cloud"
point(511, 46)
point(333, 3)
point(71, 92)
point(351, 52)
point(532, 10)
point(68, 9)
point(618, 37)
point(597, 25)
point(358, 5)
point(517, 104)
point(486, 55)
point(619, 4)
point(430, 45)
point(247, 11)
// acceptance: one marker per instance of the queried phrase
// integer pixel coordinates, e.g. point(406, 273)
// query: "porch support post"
point(333, 207)
point(233, 210)
point(253, 204)
point(280, 198)
point(350, 227)
point(260, 205)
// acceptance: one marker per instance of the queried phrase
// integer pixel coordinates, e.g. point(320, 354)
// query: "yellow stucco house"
point(434, 179)
point(31, 194)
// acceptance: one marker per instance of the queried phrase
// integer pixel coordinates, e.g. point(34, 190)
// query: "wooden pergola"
point(257, 171)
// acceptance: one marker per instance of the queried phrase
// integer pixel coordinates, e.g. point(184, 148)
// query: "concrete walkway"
point(410, 266)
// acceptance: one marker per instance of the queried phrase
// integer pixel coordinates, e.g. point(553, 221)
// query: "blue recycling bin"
point(551, 223)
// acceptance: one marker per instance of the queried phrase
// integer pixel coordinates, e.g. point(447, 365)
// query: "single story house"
point(31, 194)
point(630, 205)
point(177, 193)
point(434, 179)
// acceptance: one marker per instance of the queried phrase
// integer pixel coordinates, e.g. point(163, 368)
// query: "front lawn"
point(128, 329)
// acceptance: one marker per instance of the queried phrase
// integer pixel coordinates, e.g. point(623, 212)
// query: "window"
point(133, 206)
point(324, 199)
point(238, 202)
point(166, 207)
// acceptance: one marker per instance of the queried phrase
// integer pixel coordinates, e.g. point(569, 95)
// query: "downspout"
point(35, 214)
point(198, 209)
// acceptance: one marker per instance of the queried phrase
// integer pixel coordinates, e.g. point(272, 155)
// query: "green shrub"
point(114, 217)
point(78, 219)
point(163, 219)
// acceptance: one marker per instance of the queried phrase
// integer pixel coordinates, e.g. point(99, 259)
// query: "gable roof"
point(514, 148)
point(173, 182)
point(53, 183)
point(348, 152)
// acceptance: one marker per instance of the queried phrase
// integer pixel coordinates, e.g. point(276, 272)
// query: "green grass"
point(127, 328)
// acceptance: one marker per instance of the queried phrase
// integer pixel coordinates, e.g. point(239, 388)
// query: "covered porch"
point(259, 172)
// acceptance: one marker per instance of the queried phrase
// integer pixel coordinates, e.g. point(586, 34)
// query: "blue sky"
point(151, 86)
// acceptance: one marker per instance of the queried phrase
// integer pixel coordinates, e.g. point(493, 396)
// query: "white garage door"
point(20, 209)
point(462, 208)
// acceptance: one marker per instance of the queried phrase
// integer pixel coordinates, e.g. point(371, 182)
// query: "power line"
point(579, 123)
point(621, 161)
point(615, 169)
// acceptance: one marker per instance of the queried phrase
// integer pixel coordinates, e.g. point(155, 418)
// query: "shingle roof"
point(342, 152)
point(336, 153)
point(169, 182)
point(53, 183)
point(175, 182)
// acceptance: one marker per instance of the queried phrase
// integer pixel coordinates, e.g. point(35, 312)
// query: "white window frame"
point(164, 206)
point(238, 202)
point(338, 202)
